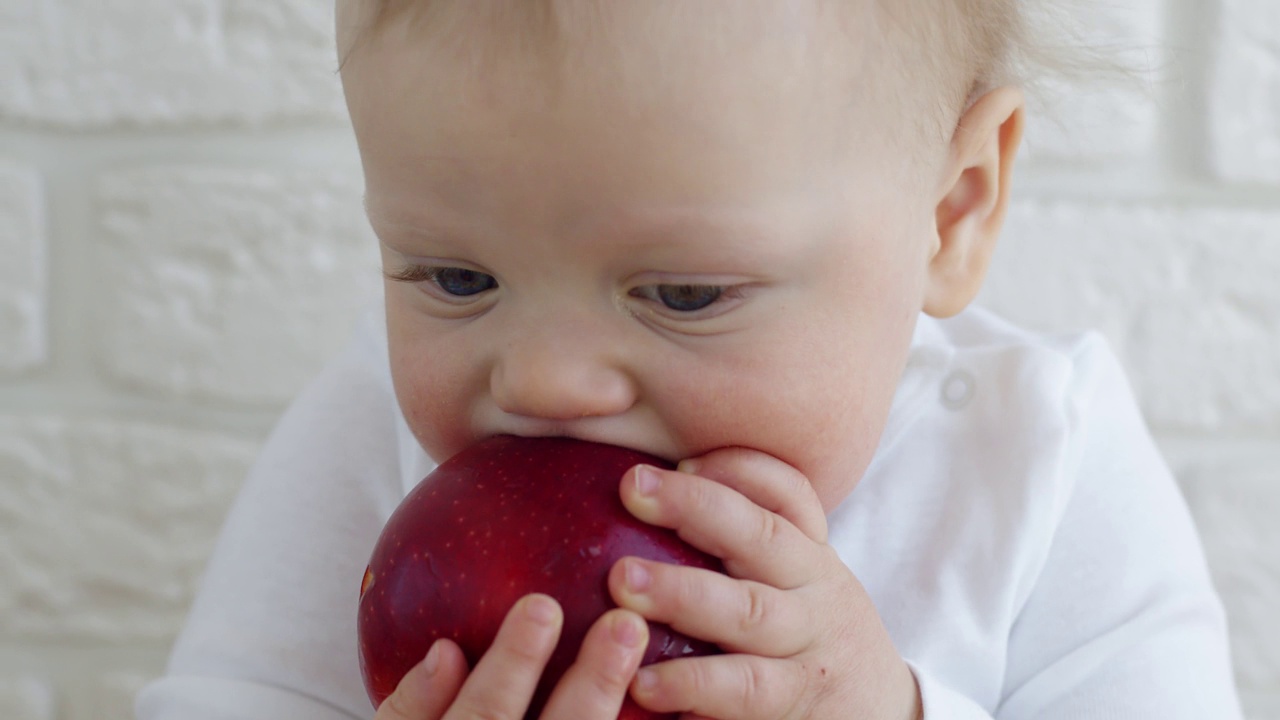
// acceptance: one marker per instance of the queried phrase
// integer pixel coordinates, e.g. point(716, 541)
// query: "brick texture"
point(22, 274)
point(1234, 499)
point(110, 697)
point(1261, 706)
point(1187, 296)
point(95, 63)
point(26, 697)
point(1244, 93)
point(227, 283)
point(107, 524)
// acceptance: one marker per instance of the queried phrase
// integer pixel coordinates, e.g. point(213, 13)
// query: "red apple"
point(504, 518)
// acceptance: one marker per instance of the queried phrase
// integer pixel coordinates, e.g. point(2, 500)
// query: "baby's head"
point(671, 225)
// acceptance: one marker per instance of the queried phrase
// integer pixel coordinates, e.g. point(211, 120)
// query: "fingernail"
point(638, 576)
point(626, 631)
point(432, 662)
point(646, 680)
point(541, 610)
point(689, 467)
point(647, 480)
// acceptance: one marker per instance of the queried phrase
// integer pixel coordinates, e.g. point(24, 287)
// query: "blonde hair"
point(957, 50)
point(1040, 46)
point(954, 50)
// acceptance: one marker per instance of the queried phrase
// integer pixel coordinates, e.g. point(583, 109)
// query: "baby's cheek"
point(711, 413)
point(433, 397)
point(806, 419)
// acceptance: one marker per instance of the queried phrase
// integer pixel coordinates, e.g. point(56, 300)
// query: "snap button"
point(958, 389)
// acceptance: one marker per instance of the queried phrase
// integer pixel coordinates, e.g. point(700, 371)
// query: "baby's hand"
point(801, 636)
point(503, 681)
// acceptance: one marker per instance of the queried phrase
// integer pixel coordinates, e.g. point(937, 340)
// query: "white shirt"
point(1021, 537)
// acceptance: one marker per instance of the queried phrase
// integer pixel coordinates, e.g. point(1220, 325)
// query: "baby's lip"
point(534, 427)
point(588, 431)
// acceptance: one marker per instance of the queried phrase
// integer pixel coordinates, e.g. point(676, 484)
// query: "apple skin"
point(504, 518)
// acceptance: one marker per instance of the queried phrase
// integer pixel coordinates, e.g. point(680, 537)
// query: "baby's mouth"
point(605, 431)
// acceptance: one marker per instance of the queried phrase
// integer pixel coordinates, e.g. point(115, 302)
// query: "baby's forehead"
point(653, 32)
point(833, 51)
point(930, 57)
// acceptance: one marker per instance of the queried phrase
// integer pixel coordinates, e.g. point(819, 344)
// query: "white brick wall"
point(22, 276)
point(88, 64)
point(177, 183)
point(1244, 92)
point(106, 523)
point(26, 697)
point(204, 270)
point(1186, 293)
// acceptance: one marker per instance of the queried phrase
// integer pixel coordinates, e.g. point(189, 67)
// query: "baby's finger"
point(427, 690)
point(596, 684)
point(743, 687)
point(503, 681)
point(754, 543)
point(737, 615)
point(768, 482)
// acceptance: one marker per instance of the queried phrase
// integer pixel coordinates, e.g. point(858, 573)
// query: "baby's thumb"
point(429, 688)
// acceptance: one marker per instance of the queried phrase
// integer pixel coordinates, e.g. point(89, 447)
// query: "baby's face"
point(654, 238)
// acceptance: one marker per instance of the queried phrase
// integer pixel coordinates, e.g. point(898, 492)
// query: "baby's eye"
point(463, 282)
point(681, 298)
point(458, 282)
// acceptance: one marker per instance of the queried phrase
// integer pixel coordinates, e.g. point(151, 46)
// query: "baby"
point(741, 235)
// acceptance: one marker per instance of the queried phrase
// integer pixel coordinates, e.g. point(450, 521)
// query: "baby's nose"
point(561, 378)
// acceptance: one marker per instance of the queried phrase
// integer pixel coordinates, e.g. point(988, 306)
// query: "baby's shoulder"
point(983, 393)
point(1018, 370)
point(1001, 421)
point(978, 332)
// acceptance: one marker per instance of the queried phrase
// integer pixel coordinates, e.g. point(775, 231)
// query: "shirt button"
point(958, 389)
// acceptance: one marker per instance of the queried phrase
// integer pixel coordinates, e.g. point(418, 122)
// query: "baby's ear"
point(973, 199)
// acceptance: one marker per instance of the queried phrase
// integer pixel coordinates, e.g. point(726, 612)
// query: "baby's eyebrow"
point(380, 216)
point(727, 233)
point(717, 228)
point(418, 226)
point(694, 236)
